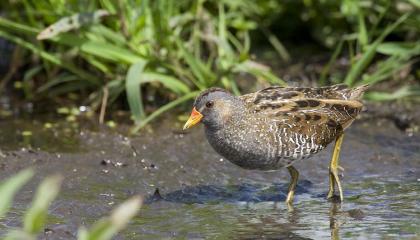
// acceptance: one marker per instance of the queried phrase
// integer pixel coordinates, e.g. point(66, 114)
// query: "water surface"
point(203, 196)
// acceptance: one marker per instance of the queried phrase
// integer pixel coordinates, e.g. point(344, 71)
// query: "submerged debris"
point(106, 162)
point(356, 214)
point(156, 196)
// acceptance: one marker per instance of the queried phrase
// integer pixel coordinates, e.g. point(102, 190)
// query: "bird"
point(275, 127)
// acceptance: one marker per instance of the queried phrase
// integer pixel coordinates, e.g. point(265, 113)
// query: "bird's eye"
point(209, 104)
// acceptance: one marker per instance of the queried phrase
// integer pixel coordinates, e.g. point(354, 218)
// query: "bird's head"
point(213, 107)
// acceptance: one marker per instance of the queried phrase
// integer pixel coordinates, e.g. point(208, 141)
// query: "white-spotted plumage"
point(276, 126)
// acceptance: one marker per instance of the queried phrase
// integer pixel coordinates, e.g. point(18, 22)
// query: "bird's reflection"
point(252, 221)
point(250, 193)
point(334, 222)
point(274, 224)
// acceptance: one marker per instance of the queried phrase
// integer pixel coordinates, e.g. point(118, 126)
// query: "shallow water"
point(201, 195)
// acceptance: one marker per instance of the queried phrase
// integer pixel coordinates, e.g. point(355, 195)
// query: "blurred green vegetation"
point(35, 217)
point(161, 53)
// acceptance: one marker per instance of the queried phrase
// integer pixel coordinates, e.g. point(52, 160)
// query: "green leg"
point(294, 174)
point(334, 179)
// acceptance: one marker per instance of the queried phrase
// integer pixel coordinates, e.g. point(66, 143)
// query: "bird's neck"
point(233, 119)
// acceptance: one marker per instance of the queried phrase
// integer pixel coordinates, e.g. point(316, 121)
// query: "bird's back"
point(337, 103)
point(338, 91)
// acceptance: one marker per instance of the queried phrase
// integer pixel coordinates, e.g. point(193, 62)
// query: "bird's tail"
point(357, 92)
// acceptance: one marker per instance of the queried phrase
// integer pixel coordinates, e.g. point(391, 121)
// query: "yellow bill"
point(195, 118)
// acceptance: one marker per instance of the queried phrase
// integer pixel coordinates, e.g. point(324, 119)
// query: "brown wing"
point(319, 119)
point(336, 102)
point(319, 128)
point(310, 110)
point(319, 113)
point(275, 93)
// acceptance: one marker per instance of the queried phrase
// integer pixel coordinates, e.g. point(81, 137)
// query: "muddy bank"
point(202, 195)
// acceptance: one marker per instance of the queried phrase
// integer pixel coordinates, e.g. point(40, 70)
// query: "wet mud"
point(191, 192)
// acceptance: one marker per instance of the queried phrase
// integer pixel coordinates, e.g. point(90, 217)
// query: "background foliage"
point(159, 54)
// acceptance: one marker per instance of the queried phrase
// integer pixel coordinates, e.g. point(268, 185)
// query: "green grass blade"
point(51, 58)
point(136, 77)
point(360, 65)
point(106, 69)
point(9, 188)
point(106, 228)
point(172, 83)
point(17, 27)
point(229, 83)
point(67, 87)
point(60, 79)
point(367, 56)
point(109, 34)
point(400, 48)
point(101, 49)
point(109, 6)
point(386, 68)
point(104, 50)
point(110, 52)
point(133, 91)
point(363, 35)
point(163, 109)
point(82, 233)
point(261, 72)
point(115, 87)
point(200, 70)
point(224, 49)
point(35, 217)
point(416, 3)
point(326, 69)
point(278, 46)
point(19, 234)
point(403, 92)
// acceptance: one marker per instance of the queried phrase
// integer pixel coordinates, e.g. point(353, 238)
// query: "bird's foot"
point(334, 198)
